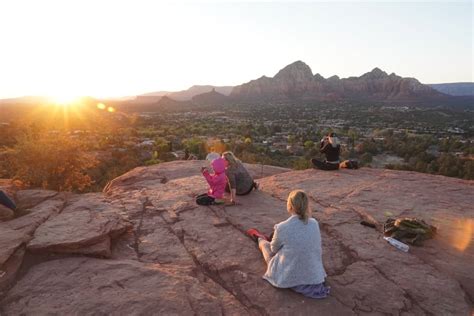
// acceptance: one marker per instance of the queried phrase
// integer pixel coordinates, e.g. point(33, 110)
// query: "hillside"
point(195, 90)
point(456, 88)
point(144, 247)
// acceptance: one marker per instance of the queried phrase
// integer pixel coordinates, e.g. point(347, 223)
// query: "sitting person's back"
point(294, 254)
point(240, 180)
point(297, 248)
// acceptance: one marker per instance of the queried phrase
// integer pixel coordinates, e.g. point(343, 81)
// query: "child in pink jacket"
point(217, 183)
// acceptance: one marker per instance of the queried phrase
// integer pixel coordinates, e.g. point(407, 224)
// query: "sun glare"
point(65, 100)
point(462, 234)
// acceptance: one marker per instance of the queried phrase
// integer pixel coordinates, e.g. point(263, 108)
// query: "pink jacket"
point(218, 180)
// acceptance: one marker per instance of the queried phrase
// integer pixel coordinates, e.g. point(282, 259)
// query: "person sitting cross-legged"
point(294, 255)
point(331, 148)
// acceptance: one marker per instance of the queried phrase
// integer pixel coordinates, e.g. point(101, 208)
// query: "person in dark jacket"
point(240, 180)
point(331, 147)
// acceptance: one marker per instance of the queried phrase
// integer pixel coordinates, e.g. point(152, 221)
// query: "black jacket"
point(332, 153)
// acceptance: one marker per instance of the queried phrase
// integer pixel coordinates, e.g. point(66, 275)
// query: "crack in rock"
point(138, 231)
point(214, 275)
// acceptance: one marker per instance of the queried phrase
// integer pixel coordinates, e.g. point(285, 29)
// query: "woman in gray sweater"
point(294, 255)
point(240, 180)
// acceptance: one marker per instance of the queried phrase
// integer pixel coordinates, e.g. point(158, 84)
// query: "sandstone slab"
point(202, 253)
point(15, 233)
point(38, 215)
point(26, 199)
point(113, 287)
point(10, 268)
point(10, 240)
point(6, 213)
point(375, 195)
point(85, 226)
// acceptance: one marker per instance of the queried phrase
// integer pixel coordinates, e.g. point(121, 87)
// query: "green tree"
point(302, 164)
point(469, 170)
point(195, 146)
point(308, 145)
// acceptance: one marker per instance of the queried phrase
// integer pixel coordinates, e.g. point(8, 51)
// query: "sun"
point(65, 99)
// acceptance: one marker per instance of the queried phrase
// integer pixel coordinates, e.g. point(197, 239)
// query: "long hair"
point(230, 157)
point(298, 204)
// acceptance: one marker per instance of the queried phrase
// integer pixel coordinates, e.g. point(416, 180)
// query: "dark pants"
point(324, 165)
point(205, 199)
point(5, 200)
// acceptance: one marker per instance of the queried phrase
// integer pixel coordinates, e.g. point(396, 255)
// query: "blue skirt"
point(312, 290)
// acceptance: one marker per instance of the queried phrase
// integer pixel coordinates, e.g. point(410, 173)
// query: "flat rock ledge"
point(144, 247)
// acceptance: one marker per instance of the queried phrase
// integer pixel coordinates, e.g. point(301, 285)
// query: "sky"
point(114, 48)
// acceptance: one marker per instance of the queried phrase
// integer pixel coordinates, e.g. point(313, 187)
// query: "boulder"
point(6, 213)
point(38, 215)
point(10, 268)
point(85, 226)
point(12, 244)
point(26, 199)
point(10, 241)
point(14, 235)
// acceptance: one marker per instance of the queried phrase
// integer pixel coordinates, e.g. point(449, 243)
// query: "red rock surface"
point(181, 258)
point(85, 226)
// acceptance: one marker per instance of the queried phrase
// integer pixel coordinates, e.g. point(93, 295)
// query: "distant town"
point(432, 140)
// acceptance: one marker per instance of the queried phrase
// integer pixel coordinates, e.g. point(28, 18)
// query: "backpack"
point(409, 230)
point(349, 164)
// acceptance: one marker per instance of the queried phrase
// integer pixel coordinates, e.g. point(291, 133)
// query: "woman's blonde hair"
point(298, 204)
point(229, 156)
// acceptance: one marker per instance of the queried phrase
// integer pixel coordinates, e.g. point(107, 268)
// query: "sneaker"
point(255, 235)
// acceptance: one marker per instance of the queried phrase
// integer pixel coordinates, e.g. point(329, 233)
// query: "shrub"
point(54, 162)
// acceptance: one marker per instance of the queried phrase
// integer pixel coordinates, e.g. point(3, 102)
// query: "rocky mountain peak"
point(376, 73)
point(296, 81)
point(297, 71)
point(318, 77)
point(209, 98)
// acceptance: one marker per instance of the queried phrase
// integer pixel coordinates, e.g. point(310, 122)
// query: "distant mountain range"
point(456, 89)
point(296, 82)
point(187, 95)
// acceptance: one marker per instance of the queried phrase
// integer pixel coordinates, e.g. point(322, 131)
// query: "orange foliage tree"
point(54, 162)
